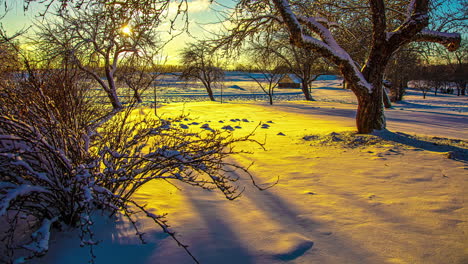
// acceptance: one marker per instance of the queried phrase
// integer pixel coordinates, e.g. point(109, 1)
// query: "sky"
point(204, 17)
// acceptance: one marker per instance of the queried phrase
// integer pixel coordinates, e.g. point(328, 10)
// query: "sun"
point(126, 29)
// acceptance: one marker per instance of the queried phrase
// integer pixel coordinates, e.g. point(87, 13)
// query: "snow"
point(41, 237)
point(10, 193)
point(389, 198)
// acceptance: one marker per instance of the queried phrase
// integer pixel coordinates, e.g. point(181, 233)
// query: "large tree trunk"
point(306, 91)
point(370, 113)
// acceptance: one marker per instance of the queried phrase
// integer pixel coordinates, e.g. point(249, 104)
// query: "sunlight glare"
point(126, 30)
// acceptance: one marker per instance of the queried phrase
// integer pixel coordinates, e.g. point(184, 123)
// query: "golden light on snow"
point(126, 30)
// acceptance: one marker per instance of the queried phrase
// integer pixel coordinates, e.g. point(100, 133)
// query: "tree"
point(139, 72)
point(269, 65)
point(304, 64)
point(423, 85)
point(97, 37)
point(200, 64)
point(458, 67)
point(401, 68)
point(315, 31)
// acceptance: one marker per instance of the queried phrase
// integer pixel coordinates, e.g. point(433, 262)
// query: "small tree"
point(458, 67)
point(269, 65)
point(400, 69)
point(200, 64)
point(422, 85)
point(307, 66)
point(139, 73)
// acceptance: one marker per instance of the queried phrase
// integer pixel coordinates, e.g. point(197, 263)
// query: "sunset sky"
point(203, 18)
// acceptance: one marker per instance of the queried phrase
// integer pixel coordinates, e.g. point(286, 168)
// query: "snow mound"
point(291, 247)
point(230, 128)
point(455, 149)
point(345, 139)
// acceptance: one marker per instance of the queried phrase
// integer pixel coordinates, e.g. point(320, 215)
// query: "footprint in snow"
point(221, 121)
point(238, 127)
point(265, 126)
point(281, 134)
point(230, 128)
point(206, 127)
point(183, 126)
point(245, 120)
point(194, 123)
point(271, 122)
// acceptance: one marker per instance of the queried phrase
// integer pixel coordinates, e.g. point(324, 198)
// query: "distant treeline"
point(449, 72)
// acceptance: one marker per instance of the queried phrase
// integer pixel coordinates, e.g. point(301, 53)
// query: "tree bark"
point(370, 113)
point(306, 91)
point(112, 92)
point(210, 92)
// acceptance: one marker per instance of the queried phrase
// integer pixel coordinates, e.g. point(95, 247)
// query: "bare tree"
point(200, 64)
point(98, 37)
point(304, 64)
point(458, 67)
point(315, 31)
point(401, 68)
point(139, 73)
point(270, 66)
point(423, 85)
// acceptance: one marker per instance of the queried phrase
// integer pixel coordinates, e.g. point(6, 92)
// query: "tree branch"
point(449, 40)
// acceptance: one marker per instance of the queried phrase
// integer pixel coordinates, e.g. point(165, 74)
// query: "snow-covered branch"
point(327, 47)
point(449, 40)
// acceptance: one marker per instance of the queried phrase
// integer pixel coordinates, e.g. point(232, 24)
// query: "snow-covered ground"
point(341, 198)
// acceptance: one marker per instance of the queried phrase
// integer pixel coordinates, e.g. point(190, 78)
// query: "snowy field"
point(398, 196)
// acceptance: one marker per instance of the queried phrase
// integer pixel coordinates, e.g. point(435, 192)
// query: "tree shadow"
point(313, 109)
point(294, 220)
point(437, 144)
point(216, 242)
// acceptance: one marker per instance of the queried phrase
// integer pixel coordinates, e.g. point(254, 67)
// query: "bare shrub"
point(62, 159)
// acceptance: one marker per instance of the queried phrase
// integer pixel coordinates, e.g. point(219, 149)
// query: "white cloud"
point(193, 7)
point(197, 6)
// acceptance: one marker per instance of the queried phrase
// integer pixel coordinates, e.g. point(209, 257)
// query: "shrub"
point(59, 161)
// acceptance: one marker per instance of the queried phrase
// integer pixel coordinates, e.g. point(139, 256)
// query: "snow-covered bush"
point(60, 162)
